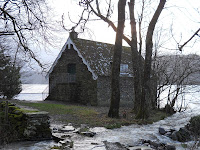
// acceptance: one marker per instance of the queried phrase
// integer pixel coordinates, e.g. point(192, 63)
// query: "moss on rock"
point(18, 123)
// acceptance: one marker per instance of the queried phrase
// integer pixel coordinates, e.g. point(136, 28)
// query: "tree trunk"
point(146, 87)
point(135, 58)
point(115, 76)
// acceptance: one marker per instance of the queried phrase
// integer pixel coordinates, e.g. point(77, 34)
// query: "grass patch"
point(113, 126)
point(28, 110)
point(91, 116)
point(184, 145)
point(55, 147)
point(59, 109)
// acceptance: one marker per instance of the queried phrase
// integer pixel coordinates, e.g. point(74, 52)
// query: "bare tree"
point(180, 47)
point(141, 67)
point(24, 21)
point(175, 72)
point(146, 86)
point(115, 93)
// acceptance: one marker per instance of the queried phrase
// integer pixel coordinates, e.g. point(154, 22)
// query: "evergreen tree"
point(10, 84)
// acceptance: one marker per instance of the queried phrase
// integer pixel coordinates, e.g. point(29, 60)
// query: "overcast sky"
point(180, 18)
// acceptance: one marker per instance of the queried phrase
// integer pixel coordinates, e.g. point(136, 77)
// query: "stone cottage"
point(81, 73)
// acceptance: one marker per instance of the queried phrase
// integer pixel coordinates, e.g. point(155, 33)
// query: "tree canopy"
point(24, 24)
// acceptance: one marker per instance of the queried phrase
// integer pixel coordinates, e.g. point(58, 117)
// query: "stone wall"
point(18, 125)
point(104, 90)
point(37, 126)
point(83, 90)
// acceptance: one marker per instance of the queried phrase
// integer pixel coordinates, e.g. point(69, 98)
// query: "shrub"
point(13, 128)
point(10, 84)
point(194, 125)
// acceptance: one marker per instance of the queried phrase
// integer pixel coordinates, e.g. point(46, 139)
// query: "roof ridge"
point(99, 42)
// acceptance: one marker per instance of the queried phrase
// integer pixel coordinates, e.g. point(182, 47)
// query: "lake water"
point(33, 92)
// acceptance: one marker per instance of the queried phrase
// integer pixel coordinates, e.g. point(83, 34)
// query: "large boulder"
point(183, 135)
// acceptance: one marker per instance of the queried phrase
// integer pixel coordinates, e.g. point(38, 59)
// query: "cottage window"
point(71, 68)
point(123, 68)
point(71, 46)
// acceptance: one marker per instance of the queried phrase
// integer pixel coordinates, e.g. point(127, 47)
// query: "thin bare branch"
point(195, 34)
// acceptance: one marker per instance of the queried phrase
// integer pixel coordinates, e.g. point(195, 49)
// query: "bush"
point(10, 84)
point(12, 128)
point(194, 125)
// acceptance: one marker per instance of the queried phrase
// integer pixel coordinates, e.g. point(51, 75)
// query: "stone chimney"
point(73, 35)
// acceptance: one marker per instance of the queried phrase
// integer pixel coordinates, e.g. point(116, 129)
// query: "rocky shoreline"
point(190, 132)
point(65, 134)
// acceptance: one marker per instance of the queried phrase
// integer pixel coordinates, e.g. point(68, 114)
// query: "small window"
point(71, 46)
point(124, 68)
point(71, 68)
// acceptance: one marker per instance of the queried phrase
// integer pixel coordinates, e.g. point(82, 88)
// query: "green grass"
point(88, 115)
point(77, 114)
point(58, 109)
point(28, 110)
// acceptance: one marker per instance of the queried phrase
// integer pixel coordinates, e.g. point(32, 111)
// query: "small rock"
point(62, 142)
point(172, 130)
point(66, 135)
point(174, 136)
point(140, 148)
point(54, 130)
point(95, 143)
point(56, 139)
point(162, 131)
point(114, 146)
point(67, 129)
point(69, 124)
point(67, 143)
point(89, 134)
point(154, 144)
point(168, 134)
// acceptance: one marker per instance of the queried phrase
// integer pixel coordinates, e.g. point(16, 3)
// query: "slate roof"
point(97, 56)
